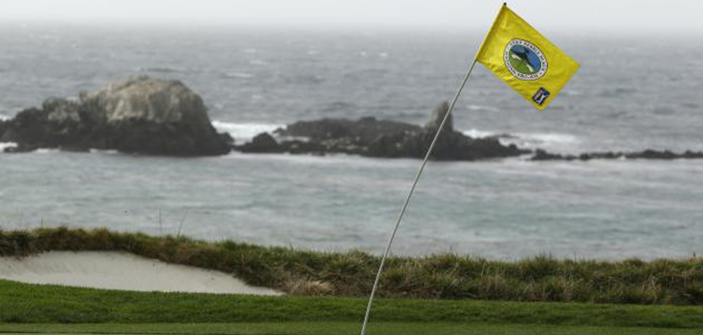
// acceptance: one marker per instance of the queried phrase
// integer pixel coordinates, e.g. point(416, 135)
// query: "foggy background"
point(654, 16)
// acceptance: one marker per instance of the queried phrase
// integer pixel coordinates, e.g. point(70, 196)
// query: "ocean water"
point(631, 93)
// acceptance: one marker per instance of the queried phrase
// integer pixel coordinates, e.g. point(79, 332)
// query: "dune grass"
point(445, 276)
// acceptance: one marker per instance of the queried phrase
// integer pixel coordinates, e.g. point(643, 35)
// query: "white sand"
point(120, 271)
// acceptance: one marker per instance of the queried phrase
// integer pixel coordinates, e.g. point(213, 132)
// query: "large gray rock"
point(62, 110)
point(135, 115)
point(148, 99)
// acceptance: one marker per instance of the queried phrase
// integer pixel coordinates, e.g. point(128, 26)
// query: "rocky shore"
point(541, 155)
point(136, 115)
point(151, 116)
point(379, 138)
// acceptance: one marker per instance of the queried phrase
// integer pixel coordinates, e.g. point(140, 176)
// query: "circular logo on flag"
point(524, 60)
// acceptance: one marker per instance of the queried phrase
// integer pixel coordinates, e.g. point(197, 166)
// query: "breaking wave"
point(4, 145)
point(475, 133)
point(528, 140)
point(244, 131)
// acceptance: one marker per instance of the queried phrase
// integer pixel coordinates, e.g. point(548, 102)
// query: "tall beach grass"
point(351, 274)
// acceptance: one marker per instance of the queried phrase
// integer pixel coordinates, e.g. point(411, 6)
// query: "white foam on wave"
point(528, 140)
point(548, 141)
point(475, 133)
point(4, 145)
point(104, 151)
point(244, 131)
point(4, 117)
point(547, 138)
point(238, 75)
point(481, 108)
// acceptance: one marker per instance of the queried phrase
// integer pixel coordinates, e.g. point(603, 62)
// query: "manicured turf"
point(335, 328)
point(25, 303)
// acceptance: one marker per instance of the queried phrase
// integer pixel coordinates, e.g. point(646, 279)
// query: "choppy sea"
point(631, 93)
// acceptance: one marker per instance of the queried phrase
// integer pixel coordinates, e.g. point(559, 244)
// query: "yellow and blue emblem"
point(524, 59)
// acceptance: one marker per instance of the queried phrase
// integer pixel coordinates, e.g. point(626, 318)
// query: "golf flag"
point(524, 59)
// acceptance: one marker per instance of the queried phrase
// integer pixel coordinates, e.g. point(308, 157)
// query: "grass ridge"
point(350, 274)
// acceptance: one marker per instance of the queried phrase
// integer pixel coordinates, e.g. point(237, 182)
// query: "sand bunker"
point(120, 271)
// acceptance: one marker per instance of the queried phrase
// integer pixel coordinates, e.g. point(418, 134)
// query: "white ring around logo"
point(524, 60)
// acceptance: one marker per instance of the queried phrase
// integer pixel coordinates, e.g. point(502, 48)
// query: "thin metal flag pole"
point(412, 189)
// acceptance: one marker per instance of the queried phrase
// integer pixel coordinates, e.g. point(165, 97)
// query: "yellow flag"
point(525, 60)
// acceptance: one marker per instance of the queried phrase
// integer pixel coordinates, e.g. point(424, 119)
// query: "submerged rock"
point(541, 155)
point(382, 138)
point(136, 115)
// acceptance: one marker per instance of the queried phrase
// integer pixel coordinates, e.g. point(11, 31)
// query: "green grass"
point(336, 328)
point(520, 65)
point(26, 303)
point(351, 274)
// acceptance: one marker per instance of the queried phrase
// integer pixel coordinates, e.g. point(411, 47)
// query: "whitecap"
point(4, 145)
point(103, 151)
point(257, 62)
point(239, 75)
point(530, 140)
point(4, 117)
point(481, 108)
point(549, 137)
point(475, 133)
point(45, 150)
point(553, 141)
point(244, 131)
point(383, 54)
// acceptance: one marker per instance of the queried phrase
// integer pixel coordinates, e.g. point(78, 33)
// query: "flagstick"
point(412, 189)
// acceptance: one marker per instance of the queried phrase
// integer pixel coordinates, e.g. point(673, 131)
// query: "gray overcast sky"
point(599, 15)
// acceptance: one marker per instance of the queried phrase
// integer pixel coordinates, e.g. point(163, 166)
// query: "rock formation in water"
point(380, 138)
point(541, 155)
point(137, 115)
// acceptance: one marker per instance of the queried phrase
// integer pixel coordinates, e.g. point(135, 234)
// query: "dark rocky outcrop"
point(136, 115)
point(380, 138)
point(437, 116)
point(262, 143)
point(541, 155)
